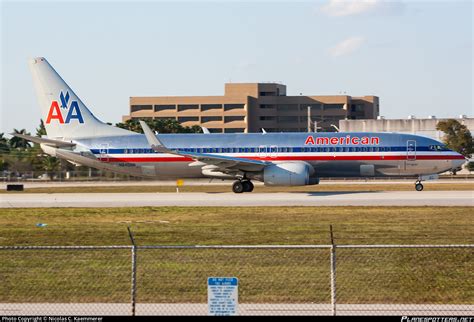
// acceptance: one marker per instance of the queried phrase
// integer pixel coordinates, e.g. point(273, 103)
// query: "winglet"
point(205, 130)
point(154, 142)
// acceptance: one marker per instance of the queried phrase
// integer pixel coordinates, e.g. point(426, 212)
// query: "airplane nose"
point(457, 163)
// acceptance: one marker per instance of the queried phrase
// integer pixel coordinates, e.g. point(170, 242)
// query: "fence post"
point(333, 273)
point(134, 272)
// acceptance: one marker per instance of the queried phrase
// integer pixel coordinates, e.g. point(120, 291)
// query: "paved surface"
point(94, 309)
point(349, 198)
point(207, 182)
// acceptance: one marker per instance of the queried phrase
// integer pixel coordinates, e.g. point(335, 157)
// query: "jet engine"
point(289, 174)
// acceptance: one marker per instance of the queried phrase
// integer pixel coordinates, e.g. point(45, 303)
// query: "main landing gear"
point(418, 185)
point(240, 186)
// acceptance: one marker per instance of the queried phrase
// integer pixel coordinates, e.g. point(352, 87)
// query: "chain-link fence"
point(273, 280)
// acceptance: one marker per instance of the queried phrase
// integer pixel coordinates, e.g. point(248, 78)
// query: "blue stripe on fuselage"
point(346, 149)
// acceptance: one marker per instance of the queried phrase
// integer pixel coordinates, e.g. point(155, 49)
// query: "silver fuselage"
point(330, 154)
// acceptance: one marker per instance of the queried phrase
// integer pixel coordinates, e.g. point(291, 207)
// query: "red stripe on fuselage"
point(290, 158)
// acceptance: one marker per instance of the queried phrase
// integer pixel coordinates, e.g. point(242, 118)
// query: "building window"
point(314, 107)
point(207, 107)
point(187, 107)
point(188, 119)
point(333, 118)
point(234, 119)
point(159, 108)
point(136, 108)
point(267, 118)
point(228, 107)
point(357, 108)
point(164, 118)
point(236, 130)
point(267, 94)
point(333, 106)
point(267, 106)
point(205, 119)
point(287, 107)
point(291, 119)
point(215, 130)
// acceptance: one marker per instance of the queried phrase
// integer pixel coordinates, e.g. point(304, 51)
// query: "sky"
point(416, 56)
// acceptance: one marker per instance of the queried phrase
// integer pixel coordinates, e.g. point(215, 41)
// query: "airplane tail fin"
point(65, 115)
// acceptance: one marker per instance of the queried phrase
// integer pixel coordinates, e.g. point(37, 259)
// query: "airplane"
point(276, 159)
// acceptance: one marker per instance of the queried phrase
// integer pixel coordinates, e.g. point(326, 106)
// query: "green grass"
point(258, 188)
point(240, 225)
point(266, 276)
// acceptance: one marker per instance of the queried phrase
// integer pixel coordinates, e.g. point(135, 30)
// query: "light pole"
point(309, 118)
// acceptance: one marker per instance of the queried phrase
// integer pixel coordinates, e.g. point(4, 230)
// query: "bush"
point(470, 166)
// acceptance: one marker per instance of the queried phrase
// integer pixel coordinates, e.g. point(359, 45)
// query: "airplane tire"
point(418, 187)
point(248, 186)
point(238, 187)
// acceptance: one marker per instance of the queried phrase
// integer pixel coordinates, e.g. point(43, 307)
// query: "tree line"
point(19, 156)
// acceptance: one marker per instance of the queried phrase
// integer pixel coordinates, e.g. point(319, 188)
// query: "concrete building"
point(412, 125)
point(249, 107)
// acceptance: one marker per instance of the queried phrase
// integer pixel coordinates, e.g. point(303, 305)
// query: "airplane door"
point(104, 152)
point(411, 150)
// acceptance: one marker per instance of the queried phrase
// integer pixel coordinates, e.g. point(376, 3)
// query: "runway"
point(98, 309)
point(339, 198)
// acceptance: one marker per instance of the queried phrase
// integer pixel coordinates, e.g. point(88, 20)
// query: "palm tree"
point(50, 165)
point(193, 129)
point(19, 143)
point(160, 126)
point(41, 130)
point(131, 125)
point(4, 148)
point(3, 164)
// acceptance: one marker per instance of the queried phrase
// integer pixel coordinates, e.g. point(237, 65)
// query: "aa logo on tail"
point(73, 111)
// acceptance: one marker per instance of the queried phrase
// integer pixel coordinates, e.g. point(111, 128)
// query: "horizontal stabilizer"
point(49, 142)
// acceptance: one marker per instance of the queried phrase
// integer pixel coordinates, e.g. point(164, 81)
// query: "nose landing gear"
point(240, 186)
point(426, 177)
point(418, 186)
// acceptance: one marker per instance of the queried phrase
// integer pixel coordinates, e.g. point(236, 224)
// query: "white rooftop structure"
point(412, 125)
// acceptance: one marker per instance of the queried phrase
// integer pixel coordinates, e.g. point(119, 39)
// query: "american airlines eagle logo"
point(56, 113)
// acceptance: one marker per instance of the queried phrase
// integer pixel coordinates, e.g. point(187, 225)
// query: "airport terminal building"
point(249, 107)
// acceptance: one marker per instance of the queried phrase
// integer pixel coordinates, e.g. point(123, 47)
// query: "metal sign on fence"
point(222, 295)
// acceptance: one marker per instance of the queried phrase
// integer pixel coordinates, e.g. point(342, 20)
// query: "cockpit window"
point(438, 148)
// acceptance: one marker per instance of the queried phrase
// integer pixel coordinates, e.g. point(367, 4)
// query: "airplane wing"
point(50, 142)
point(223, 163)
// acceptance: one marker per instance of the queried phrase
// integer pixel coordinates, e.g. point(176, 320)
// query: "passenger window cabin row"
point(269, 150)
